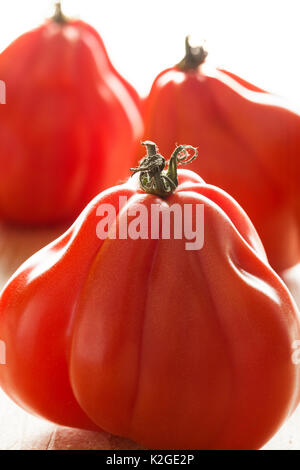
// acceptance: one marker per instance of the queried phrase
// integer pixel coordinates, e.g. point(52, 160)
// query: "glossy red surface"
point(146, 340)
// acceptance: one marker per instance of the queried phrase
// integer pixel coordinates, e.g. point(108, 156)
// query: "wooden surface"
point(21, 431)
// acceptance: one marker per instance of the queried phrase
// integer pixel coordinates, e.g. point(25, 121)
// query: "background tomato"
point(69, 125)
point(248, 142)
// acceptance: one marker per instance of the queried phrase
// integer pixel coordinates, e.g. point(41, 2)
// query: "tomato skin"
point(186, 350)
point(248, 141)
point(69, 127)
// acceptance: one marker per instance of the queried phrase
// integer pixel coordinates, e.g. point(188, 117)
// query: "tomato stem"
point(194, 56)
point(153, 178)
point(58, 16)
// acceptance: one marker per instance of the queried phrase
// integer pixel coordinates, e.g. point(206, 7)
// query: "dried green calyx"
point(58, 16)
point(154, 179)
point(194, 56)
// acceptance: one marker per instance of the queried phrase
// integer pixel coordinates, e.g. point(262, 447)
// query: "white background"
point(258, 39)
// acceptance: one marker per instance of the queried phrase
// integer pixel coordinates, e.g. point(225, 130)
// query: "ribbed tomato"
point(172, 347)
point(249, 141)
point(69, 125)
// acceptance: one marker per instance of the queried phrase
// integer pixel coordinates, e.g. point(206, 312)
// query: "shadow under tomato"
point(75, 439)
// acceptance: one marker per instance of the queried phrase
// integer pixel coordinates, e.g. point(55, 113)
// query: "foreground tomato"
point(250, 145)
point(147, 337)
point(69, 126)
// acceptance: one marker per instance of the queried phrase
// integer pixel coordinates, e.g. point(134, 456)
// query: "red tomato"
point(70, 124)
point(249, 141)
point(172, 348)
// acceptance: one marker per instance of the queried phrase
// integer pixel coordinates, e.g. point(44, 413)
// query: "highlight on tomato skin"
point(140, 337)
point(69, 126)
point(250, 142)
